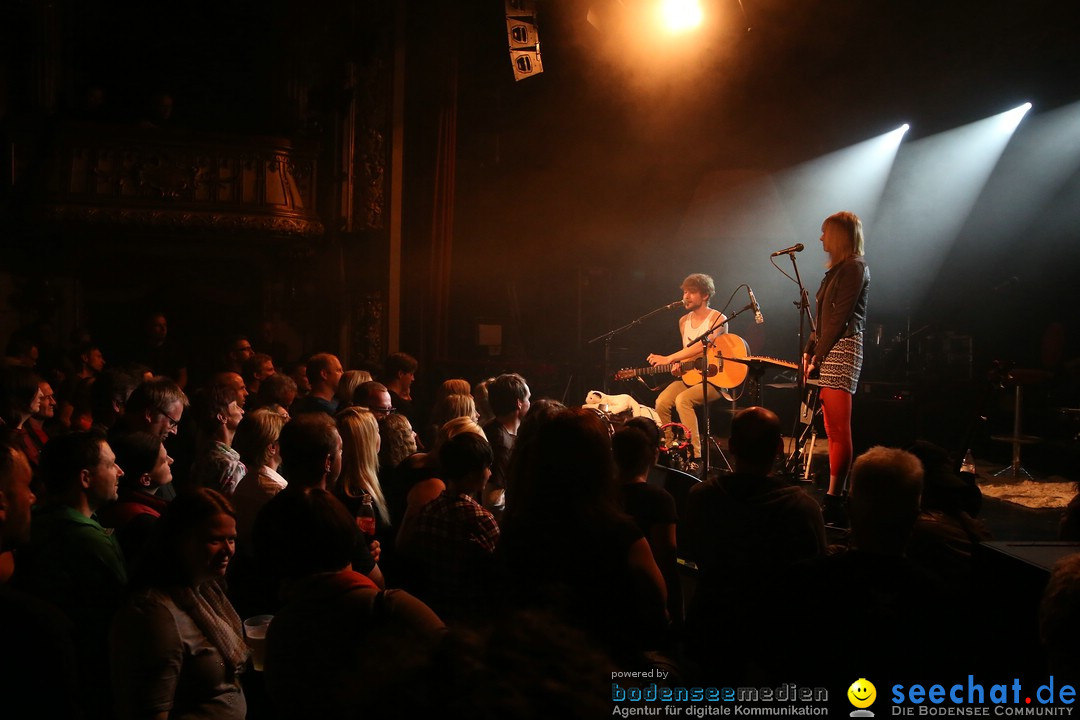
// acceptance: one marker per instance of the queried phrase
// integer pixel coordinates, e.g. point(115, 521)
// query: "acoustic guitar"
point(720, 373)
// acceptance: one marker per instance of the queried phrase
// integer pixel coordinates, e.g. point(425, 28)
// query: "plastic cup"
point(255, 634)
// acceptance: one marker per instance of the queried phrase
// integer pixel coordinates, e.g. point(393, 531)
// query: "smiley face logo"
point(862, 693)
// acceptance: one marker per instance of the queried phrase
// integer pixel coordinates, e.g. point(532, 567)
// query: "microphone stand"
point(805, 317)
point(606, 337)
point(706, 435)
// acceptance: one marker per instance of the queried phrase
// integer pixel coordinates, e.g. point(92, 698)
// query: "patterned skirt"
point(841, 367)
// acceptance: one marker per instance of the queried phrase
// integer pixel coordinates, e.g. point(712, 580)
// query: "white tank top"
point(691, 332)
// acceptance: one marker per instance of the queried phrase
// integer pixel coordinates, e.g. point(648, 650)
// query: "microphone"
point(758, 318)
point(672, 306)
point(797, 247)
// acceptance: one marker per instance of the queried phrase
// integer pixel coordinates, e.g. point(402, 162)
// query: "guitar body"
point(720, 373)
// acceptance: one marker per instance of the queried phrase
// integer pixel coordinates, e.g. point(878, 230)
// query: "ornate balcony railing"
point(128, 177)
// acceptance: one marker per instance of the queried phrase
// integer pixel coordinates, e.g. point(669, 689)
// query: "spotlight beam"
point(930, 195)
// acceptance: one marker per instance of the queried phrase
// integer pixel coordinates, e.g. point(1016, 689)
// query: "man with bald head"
point(744, 530)
point(752, 516)
point(324, 372)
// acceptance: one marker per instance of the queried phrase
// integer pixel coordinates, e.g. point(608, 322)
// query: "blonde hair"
point(398, 440)
point(349, 381)
point(453, 386)
point(480, 397)
point(850, 223)
point(259, 429)
point(453, 406)
point(455, 427)
point(360, 457)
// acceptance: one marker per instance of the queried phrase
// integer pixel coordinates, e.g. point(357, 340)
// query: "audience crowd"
point(504, 563)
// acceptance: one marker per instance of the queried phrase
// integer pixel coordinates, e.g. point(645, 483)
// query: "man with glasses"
point(240, 351)
point(375, 397)
point(156, 406)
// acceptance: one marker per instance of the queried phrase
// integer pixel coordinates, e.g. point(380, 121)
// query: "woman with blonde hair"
point(483, 405)
point(399, 462)
point(835, 350)
point(256, 440)
point(360, 444)
point(447, 408)
point(350, 379)
point(398, 442)
point(454, 406)
point(456, 426)
point(453, 386)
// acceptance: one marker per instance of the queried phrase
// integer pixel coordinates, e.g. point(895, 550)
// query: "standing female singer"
point(835, 351)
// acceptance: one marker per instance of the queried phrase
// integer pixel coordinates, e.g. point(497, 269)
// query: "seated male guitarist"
point(697, 289)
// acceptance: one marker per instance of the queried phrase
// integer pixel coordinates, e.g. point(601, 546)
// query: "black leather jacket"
point(841, 306)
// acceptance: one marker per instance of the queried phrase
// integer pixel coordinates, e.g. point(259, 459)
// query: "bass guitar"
point(719, 373)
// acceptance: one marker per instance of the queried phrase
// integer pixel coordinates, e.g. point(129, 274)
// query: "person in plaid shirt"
point(452, 543)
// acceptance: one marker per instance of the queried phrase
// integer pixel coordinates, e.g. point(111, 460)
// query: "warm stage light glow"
point(681, 15)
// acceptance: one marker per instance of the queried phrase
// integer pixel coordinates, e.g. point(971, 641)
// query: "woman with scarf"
point(177, 646)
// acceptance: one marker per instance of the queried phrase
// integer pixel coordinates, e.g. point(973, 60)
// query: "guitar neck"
point(772, 361)
point(654, 370)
